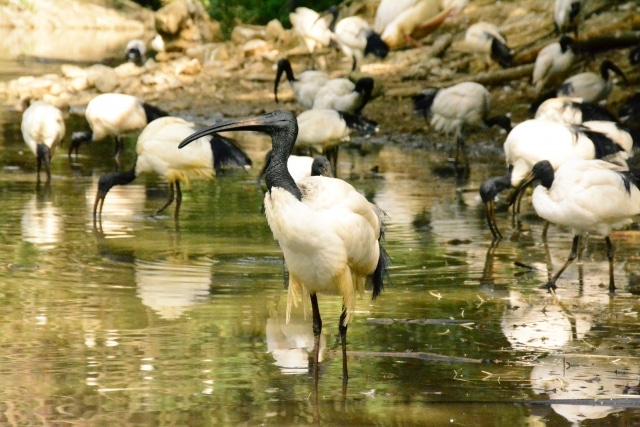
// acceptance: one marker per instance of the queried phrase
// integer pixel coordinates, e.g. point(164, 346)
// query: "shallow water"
point(145, 322)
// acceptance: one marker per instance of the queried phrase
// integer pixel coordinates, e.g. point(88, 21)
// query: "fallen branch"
point(416, 355)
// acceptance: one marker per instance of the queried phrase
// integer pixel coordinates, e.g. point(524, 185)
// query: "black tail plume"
point(227, 154)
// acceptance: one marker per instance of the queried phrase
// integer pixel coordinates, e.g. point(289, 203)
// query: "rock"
point(103, 78)
point(187, 66)
point(242, 33)
point(170, 18)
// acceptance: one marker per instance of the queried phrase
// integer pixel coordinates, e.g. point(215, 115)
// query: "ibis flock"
point(330, 234)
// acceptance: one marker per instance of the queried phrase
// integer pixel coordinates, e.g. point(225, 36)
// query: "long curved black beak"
point(269, 123)
point(608, 65)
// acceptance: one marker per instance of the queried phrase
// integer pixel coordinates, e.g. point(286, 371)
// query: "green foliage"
point(257, 12)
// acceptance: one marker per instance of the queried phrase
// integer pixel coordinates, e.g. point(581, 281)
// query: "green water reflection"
point(142, 323)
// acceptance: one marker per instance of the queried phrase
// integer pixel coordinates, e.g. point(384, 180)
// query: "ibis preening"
point(566, 15)
point(157, 151)
point(357, 39)
point(587, 196)
point(344, 95)
point(452, 110)
point(571, 111)
point(401, 22)
point(43, 130)
point(304, 87)
point(552, 61)
point(534, 140)
point(326, 130)
point(329, 233)
point(114, 114)
point(486, 38)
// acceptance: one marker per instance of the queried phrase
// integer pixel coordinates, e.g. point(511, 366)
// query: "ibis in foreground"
point(157, 151)
point(328, 231)
point(586, 196)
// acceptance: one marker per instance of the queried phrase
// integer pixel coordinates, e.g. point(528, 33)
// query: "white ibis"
point(591, 87)
point(357, 39)
point(452, 110)
point(486, 38)
point(301, 166)
point(157, 151)
point(135, 51)
point(571, 111)
point(552, 61)
point(315, 31)
point(326, 130)
point(566, 15)
point(344, 95)
point(43, 130)
point(587, 196)
point(114, 114)
point(401, 22)
point(534, 140)
point(329, 233)
point(304, 87)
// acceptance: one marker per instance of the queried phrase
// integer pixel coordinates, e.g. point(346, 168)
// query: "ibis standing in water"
point(114, 114)
point(329, 232)
point(534, 140)
point(465, 105)
point(325, 130)
point(157, 151)
point(587, 196)
point(43, 130)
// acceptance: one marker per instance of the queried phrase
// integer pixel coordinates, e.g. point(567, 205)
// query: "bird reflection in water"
point(291, 344)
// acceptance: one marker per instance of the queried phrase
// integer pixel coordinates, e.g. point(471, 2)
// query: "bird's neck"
point(278, 175)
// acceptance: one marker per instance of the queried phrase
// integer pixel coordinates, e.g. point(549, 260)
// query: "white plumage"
point(570, 111)
point(399, 22)
point(587, 196)
point(344, 95)
point(590, 86)
point(552, 61)
point(305, 86)
point(314, 29)
point(329, 233)
point(114, 114)
point(43, 130)
point(325, 130)
point(135, 51)
point(484, 37)
point(157, 151)
point(456, 108)
point(534, 140)
point(357, 39)
point(566, 15)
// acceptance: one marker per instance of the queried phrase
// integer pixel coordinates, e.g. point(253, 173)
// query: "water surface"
point(144, 322)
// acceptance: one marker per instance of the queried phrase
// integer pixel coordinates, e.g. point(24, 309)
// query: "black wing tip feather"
point(228, 154)
point(381, 272)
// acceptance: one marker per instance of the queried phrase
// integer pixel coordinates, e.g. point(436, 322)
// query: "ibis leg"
point(169, 200)
point(317, 330)
point(610, 253)
point(551, 285)
point(343, 340)
point(178, 200)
